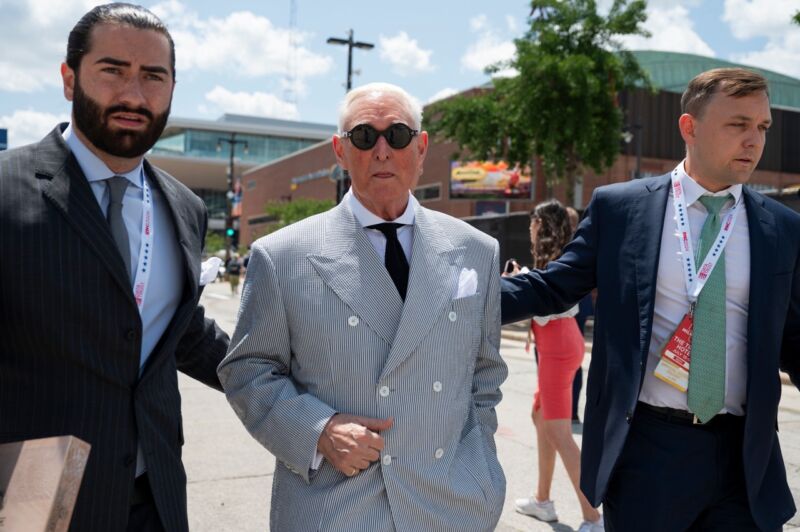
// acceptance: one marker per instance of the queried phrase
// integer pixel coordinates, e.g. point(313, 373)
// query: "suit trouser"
point(143, 516)
point(673, 476)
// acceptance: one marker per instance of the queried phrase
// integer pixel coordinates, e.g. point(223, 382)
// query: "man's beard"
point(92, 121)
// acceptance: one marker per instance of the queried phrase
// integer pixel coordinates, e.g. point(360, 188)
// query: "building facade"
point(654, 147)
point(200, 154)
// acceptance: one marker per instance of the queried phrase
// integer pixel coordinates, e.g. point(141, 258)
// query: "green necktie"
point(707, 367)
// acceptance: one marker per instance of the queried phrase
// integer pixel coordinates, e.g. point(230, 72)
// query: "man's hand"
point(352, 443)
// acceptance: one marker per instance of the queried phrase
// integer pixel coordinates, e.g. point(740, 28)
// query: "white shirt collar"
point(366, 218)
point(693, 190)
point(93, 168)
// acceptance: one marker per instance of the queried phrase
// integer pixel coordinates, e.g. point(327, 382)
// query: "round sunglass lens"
point(364, 137)
point(399, 135)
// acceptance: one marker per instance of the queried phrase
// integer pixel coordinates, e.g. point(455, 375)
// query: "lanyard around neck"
point(696, 278)
point(144, 265)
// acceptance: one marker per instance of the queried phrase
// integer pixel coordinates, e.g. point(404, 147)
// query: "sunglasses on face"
point(364, 136)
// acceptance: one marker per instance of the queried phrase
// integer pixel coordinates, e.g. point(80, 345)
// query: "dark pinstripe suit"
point(71, 334)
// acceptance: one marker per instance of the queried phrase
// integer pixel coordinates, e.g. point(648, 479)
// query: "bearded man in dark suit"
point(99, 304)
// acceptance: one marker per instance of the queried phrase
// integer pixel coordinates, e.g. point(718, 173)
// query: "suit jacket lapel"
point(66, 187)
point(187, 239)
point(349, 265)
point(763, 244)
point(648, 219)
point(435, 265)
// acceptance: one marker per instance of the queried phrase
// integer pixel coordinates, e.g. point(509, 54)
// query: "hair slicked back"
point(135, 16)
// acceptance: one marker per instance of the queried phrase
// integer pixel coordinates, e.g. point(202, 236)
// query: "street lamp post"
point(343, 185)
point(229, 193)
point(350, 43)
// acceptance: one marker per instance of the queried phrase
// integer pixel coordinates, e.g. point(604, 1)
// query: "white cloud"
point(781, 54)
point(251, 103)
point(513, 24)
point(491, 47)
point(770, 19)
point(760, 18)
point(478, 23)
point(27, 126)
point(442, 94)
point(672, 30)
point(243, 42)
point(35, 41)
point(404, 54)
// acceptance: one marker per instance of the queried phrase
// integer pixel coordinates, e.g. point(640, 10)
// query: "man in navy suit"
point(698, 306)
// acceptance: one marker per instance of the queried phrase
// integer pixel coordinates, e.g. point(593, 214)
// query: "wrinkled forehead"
point(378, 109)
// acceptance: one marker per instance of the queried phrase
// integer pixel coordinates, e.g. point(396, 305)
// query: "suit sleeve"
point(203, 345)
point(490, 369)
point(563, 283)
point(790, 345)
point(201, 349)
point(256, 373)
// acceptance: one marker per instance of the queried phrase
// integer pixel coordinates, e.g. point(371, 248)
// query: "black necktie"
point(395, 259)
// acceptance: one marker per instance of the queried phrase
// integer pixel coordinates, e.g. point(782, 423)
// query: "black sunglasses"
point(364, 136)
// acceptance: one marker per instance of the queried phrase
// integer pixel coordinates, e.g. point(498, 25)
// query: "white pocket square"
point(467, 283)
point(209, 269)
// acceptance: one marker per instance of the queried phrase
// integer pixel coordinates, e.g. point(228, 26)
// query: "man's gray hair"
point(411, 105)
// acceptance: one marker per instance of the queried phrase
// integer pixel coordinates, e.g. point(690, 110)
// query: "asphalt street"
point(230, 474)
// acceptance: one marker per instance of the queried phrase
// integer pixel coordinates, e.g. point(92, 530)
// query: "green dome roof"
point(672, 71)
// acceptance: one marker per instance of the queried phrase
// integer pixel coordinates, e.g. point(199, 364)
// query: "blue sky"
point(245, 57)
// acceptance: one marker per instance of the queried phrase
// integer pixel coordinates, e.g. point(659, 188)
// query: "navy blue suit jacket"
point(616, 249)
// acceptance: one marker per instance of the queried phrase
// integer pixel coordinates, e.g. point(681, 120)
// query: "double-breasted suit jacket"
point(323, 330)
point(71, 334)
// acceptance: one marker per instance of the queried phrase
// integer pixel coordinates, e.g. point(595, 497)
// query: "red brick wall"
point(273, 182)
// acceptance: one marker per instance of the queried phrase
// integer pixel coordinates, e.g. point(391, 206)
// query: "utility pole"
point(350, 43)
point(230, 231)
point(343, 184)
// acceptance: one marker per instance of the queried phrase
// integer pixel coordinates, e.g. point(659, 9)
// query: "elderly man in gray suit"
point(366, 354)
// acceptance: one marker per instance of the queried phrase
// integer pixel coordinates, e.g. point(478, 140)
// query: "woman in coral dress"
point(560, 346)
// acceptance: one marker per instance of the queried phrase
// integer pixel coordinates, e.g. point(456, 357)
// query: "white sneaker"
point(543, 511)
point(592, 526)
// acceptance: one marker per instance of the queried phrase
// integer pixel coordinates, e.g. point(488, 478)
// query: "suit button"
point(130, 335)
point(384, 391)
point(629, 416)
point(128, 460)
point(439, 453)
point(352, 321)
point(452, 316)
point(387, 460)
point(437, 386)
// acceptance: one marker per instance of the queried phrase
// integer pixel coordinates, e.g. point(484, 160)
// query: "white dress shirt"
point(165, 285)
point(672, 302)
point(366, 218)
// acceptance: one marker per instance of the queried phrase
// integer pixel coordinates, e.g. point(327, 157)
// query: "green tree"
point(289, 212)
point(562, 103)
point(796, 18)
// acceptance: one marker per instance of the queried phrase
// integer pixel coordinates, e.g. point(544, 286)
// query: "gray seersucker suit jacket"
point(322, 330)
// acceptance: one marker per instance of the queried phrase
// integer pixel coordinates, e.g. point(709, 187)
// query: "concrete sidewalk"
point(230, 475)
